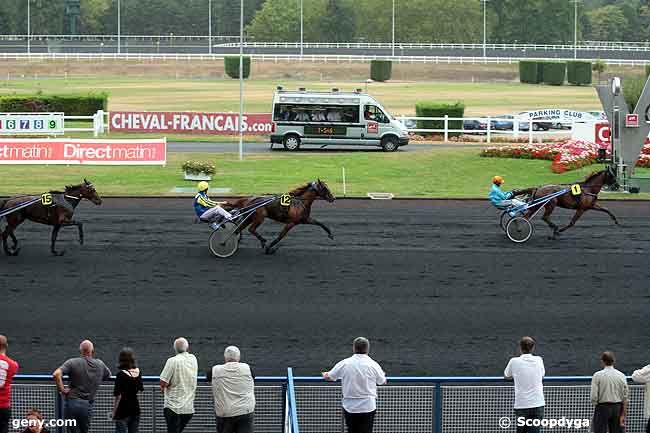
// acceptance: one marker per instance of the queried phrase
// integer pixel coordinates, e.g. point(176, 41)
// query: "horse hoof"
point(331, 237)
point(58, 253)
point(270, 251)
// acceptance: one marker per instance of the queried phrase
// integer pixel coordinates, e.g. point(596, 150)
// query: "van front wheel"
point(291, 142)
point(389, 144)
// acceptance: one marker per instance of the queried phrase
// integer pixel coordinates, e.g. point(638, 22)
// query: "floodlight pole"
point(393, 31)
point(29, 27)
point(119, 27)
point(241, 80)
point(301, 29)
point(484, 27)
point(575, 29)
point(209, 26)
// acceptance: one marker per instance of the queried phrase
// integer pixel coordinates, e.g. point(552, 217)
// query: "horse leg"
point(548, 210)
point(272, 248)
point(599, 208)
point(55, 234)
point(9, 233)
point(253, 230)
point(80, 227)
point(575, 218)
point(315, 222)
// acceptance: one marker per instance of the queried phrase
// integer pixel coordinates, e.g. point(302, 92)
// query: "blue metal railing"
point(291, 399)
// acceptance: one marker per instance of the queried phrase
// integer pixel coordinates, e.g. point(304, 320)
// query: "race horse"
point(291, 209)
point(55, 208)
point(582, 202)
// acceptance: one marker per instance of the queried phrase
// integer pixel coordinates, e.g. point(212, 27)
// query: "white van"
point(333, 118)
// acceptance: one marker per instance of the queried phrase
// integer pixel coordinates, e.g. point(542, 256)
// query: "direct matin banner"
point(83, 151)
point(189, 122)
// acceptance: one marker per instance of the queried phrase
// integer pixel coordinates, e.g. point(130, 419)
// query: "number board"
point(31, 123)
point(326, 130)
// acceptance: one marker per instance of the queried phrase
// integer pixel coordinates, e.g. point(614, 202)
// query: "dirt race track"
point(436, 286)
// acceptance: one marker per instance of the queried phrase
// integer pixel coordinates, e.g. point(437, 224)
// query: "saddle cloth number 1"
point(576, 190)
point(285, 200)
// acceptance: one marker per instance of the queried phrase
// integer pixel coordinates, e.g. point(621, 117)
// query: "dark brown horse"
point(293, 209)
point(582, 202)
point(55, 209)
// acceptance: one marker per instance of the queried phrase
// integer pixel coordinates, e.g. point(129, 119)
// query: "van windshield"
point(316, 113)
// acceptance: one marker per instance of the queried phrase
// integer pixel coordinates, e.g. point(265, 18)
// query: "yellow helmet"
point(203, 186)
point(497, 180)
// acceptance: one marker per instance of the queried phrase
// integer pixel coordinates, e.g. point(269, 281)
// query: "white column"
point(209, 26)
point(241, 79)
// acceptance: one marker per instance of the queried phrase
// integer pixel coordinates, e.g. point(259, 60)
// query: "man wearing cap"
point(500, 199)
point(208, 210)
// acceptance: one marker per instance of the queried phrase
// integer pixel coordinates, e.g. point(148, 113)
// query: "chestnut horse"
point(586, 200)
point(55, 209)
point(291, 209)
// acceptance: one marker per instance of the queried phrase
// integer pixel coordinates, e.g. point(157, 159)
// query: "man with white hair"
point(233, 389)
point(359, 376)
point(85, 373)
point(178, 384)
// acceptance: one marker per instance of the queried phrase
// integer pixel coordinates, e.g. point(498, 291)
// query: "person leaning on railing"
point(233, 389)
point(528, 373)
point(178, 383)
point(359, 375)
point(643, 376)
point(86, 374)
point(8, 369)
point(610, 395)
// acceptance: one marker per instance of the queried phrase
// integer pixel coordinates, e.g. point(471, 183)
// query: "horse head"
point(323, 191)
point(87, 191)
point(610, 175)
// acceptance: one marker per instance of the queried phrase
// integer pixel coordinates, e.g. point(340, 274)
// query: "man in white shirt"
point(359, 376)
point(528, 372)
point(178, 383)
point(643, 376)
point(233, 390)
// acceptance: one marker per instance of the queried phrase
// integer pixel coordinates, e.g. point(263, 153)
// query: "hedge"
point(71, 105)
point(381, 70)
point(438, 109)
point(632, 89)
point(231, 65)
point(647, 71)
point(553, 72)
point(528, 71)
point(578, 72)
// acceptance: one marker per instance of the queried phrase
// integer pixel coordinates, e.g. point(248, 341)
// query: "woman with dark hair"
point(128, 382)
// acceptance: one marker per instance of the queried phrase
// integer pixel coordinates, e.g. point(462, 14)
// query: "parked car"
point(539, 124)
point(474, 125)
point(505, 122)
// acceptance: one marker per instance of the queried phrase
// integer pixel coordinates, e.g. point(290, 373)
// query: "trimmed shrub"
point(553, 73)
point(381, 70)
point(231, 65)
point(578, 72)
point(632, 89)
point(71, 105)
point(439, 109)
point(647, 71)
point(528, 71)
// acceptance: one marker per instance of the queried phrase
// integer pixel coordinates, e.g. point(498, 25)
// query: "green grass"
point(441, 173)
point(141, 94)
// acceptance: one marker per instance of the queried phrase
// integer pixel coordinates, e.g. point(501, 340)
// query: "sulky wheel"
point(224, 242)
point(503, 221)
point(519, 229)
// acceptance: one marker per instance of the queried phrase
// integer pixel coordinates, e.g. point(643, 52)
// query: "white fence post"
point(530, 131)
point(489, 129)
point(344, 184)
point(98, 123)
point(446, 128)
point(515, 127)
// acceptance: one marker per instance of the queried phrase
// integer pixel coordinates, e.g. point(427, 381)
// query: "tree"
point(279, 20)
point(338, 23)
point(598, 67)
point(93, 16)
point(608, 23)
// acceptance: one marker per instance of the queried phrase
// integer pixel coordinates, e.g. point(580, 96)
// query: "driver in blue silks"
point(500, 199)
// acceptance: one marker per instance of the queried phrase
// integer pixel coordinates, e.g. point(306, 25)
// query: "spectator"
point(8, 369)
point(178, 383)
point(86, 373)
point(319, 116)
point(359, 376)
point(609, 393)
point(333, 115)
point(233, 389)
point(35, 422)
point(643, 376)
point(528, 372)
point(128, 382)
